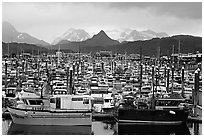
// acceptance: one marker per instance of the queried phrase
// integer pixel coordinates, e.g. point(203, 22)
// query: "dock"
point(5, 114)
point(111, 117)
point(194, 119)
point(103, 116)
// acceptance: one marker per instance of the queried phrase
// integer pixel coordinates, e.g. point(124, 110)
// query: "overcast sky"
point(48, 20)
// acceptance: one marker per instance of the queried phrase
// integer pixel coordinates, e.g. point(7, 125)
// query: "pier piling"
point(195, 93)
point(167, 83)
point(182, 81)
point(172, 80)
point(70, 81)
point(6, 74)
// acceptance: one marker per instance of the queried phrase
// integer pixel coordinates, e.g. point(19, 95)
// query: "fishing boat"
point(167, 111)
point(108, 105)
point(55, 110)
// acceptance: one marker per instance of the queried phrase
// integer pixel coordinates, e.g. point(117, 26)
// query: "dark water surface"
point(101, 128)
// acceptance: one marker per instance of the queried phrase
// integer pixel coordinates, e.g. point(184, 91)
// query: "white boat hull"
point(33, 117)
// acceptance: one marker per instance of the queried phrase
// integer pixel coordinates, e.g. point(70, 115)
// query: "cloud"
point(47, 20)
point(190, 10)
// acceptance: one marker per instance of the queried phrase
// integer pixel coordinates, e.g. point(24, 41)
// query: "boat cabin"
point(10, 92)
point(34, 103)
point(59, 92)
point(70, 102)
point(169, 103)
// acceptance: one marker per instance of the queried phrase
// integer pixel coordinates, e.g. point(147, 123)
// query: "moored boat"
point(166, 112)
point(57, 110)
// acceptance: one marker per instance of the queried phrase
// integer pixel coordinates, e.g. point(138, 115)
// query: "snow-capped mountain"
point(72, 35)
point(10, 34)
point(134, 35)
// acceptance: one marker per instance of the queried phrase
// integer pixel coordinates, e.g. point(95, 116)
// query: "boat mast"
point(153, 99)
point(5, 74)
point(140, 70)
point(172, 55)
point(8, 49)
point(172, 80)
point(179, 48)
point(67, 79)
point(158, 56)
point(196, 90)
point(70, 80)
point(58, 57)
point(125, 58)
point(182, 81)
point(167, 81)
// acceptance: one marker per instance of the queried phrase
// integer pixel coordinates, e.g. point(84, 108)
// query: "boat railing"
point(53, 110)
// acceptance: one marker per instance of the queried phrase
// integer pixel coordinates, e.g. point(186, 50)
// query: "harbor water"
point(100, 128)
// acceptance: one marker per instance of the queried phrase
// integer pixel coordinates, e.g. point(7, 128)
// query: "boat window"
point(25, 101)
point(10, 91)
point(167, 103)
point(35, 102)
point(86, 101)
point(106, 100)
point(146, 88)
point(52, 100)
point(77, 99)
point(110, 80)
point(98, 101)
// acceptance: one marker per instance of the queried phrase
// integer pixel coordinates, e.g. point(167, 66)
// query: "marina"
point(101, 68)
point(77, 89)
point(99, 128)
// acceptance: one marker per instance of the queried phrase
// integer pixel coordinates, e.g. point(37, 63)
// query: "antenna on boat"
point(182, 81)
point(8, 49)
point(125, 58)
point(172, 54)
point(153, 99)
point(5, 74)
point(158, 55)
point(141, 69)
point(70, 80)
point(179, 48)
point(196, 90)
point(172, 80)
point(67, 78)
point(167, 81)
point(79, 63)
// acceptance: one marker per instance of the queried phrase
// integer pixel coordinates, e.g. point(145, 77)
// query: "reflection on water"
point(5, 126)
point(153, 130)
point(195, 128)
point(100, 128)
point(49, 130)
point(103, 128)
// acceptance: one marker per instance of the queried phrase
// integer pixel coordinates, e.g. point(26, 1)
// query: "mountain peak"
point(101, 39)
point(6, 23)
point(102, 32)
point(8, 27)
point(72, 34)
point(102, 35)
point(10, 34)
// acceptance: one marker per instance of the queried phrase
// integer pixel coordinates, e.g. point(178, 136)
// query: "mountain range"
point(73, 35)
point(188, 44)
point(133, 35)
point(100, 41)
point(10, 34)
point(121, 35)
